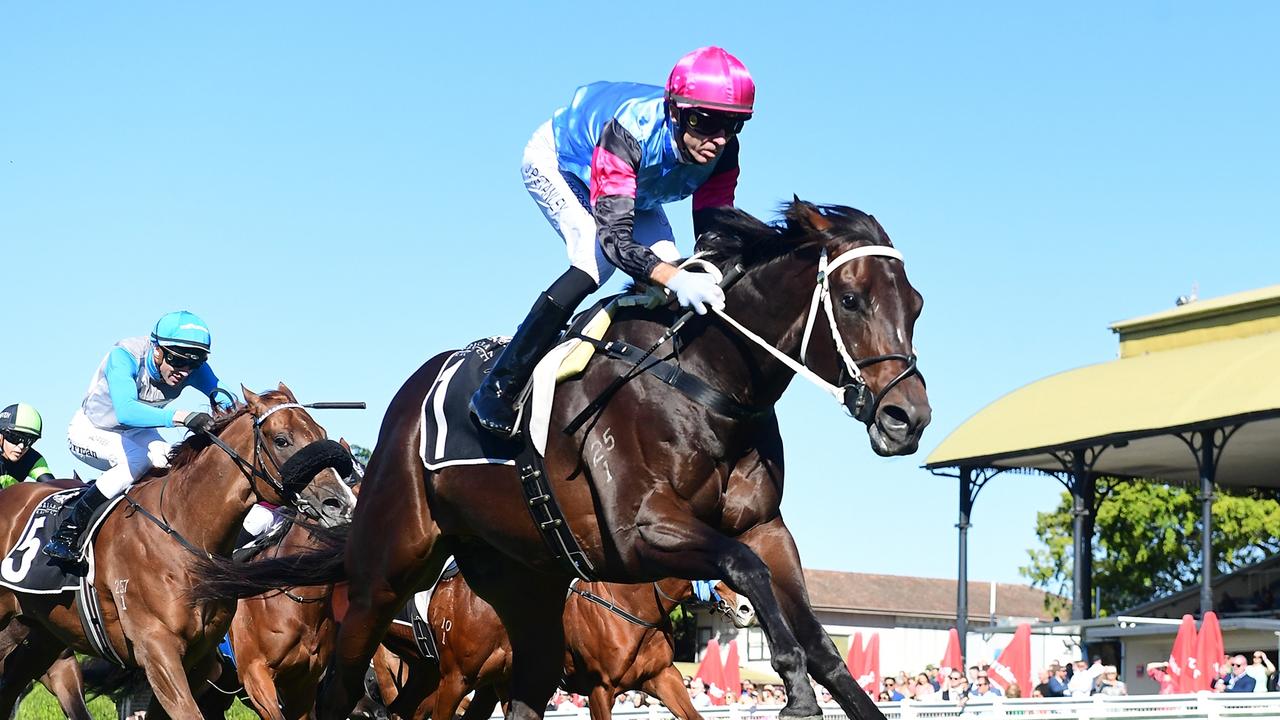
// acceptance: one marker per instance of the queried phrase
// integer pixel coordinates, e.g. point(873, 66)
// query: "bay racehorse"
point(147, 550)
point(617, 638)
point(657, 484)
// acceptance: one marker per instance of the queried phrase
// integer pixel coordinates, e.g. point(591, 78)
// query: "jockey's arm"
point(613, 201)
point(122, 372)
point(719, 189)
point(206, 381)
point(40, 471)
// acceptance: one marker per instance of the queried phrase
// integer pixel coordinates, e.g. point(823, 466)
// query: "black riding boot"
point(493, 404)
point(63, 544)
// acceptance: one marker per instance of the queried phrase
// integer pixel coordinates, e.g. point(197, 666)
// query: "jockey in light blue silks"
point(115, 429)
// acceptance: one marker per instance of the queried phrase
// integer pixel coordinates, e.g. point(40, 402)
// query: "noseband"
point(285, 487)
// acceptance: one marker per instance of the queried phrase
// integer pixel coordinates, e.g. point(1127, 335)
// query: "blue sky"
point(336, 189)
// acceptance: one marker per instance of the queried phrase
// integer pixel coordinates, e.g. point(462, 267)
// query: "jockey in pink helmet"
point(600, 170)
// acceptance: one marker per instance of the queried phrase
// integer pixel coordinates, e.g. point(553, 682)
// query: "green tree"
point(1146, 541)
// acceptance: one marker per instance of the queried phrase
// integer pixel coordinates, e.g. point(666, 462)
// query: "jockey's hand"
point(695, 290)
point(198, 421)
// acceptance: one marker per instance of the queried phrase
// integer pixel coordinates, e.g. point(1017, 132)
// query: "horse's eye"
point(851, 301)
point(281, 441)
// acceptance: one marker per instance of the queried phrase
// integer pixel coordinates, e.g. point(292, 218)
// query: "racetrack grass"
point(40, 705)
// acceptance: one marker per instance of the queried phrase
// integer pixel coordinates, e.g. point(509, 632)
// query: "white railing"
point(1206, 706)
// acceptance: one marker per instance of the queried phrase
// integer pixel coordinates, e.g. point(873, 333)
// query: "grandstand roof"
point(918, 597)
point(1204, 365)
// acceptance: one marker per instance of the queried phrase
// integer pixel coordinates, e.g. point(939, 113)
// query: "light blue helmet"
point(182, 330)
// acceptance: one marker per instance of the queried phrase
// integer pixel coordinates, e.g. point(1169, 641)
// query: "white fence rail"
point(1226, 706)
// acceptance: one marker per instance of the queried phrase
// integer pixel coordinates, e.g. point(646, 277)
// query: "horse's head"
point(717, 596)
point(858, 327)
point(829, 289)
point(294, 463)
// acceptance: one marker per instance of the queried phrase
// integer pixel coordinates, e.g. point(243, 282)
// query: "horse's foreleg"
point(65, 680)
point(531, 606)
point(678, 544)
point(27, 660)
point(261, 687)
point(381, 575)
point(482, 704)
point(452, 688)
point(774, 544)
point(668, 686)
point(161, 657)
point(600, 703)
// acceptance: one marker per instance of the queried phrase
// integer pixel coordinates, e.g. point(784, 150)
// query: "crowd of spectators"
point(1067, 679)
point(1238, 674)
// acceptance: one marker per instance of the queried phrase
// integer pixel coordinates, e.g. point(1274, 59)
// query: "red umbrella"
point(1182, 659)
point(869, 678)
point(711, 672)
point(951, 659)
point(1209, 651)
point(855, 659)
point(1014, 663)
point(732, 674)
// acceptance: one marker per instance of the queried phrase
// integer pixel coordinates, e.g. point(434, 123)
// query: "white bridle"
point(821, 296)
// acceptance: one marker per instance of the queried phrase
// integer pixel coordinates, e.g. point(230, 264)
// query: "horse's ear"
point(252, 400)
point(343, 442)
point(807, 215)
point(287, 392)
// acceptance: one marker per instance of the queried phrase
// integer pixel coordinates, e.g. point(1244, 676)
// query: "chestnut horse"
point(617, 637)
point(658, 484)
point(148, 547)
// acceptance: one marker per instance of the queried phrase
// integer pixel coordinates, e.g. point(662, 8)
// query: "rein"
point(256, 470)
point(863, 403)
point(616, 610)
point(250, 471)
point(856, 397)
point(611, 607)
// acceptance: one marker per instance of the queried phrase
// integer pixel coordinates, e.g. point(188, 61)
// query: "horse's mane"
point(187, 450)
point(734, 235)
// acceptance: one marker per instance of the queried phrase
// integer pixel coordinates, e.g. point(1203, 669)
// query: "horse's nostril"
point(333, 504)
point(896, 415)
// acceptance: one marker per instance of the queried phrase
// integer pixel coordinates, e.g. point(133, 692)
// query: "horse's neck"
point(670, 593)
point(772, 303)
point(205, 500)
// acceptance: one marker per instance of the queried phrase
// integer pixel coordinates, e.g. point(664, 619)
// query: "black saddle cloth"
point(450, 436)
point(27, 569)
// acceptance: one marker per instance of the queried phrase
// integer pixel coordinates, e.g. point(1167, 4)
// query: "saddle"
point(26, 569)
point(451, 437)
point(416, 614)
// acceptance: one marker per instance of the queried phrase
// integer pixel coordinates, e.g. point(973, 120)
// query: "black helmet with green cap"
point(21, 418)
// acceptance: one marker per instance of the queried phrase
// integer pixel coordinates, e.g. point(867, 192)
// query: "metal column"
point(1208, 467)
point(1084, 496)
point(962, 573)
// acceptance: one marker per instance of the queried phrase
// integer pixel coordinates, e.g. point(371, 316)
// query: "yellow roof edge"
point(1224, 304)
point(984, 460)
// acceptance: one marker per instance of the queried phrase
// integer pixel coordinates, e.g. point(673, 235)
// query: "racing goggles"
point(711, 122)
point(18, 439)
point(179, 360)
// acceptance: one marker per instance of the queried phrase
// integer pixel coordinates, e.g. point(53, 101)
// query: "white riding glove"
point(698, 291)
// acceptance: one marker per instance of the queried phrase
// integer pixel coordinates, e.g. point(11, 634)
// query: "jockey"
point(115, 428)
point(20, 428)
point(600, 170)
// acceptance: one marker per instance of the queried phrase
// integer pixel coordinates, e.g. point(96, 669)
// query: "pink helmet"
point(713, 79)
